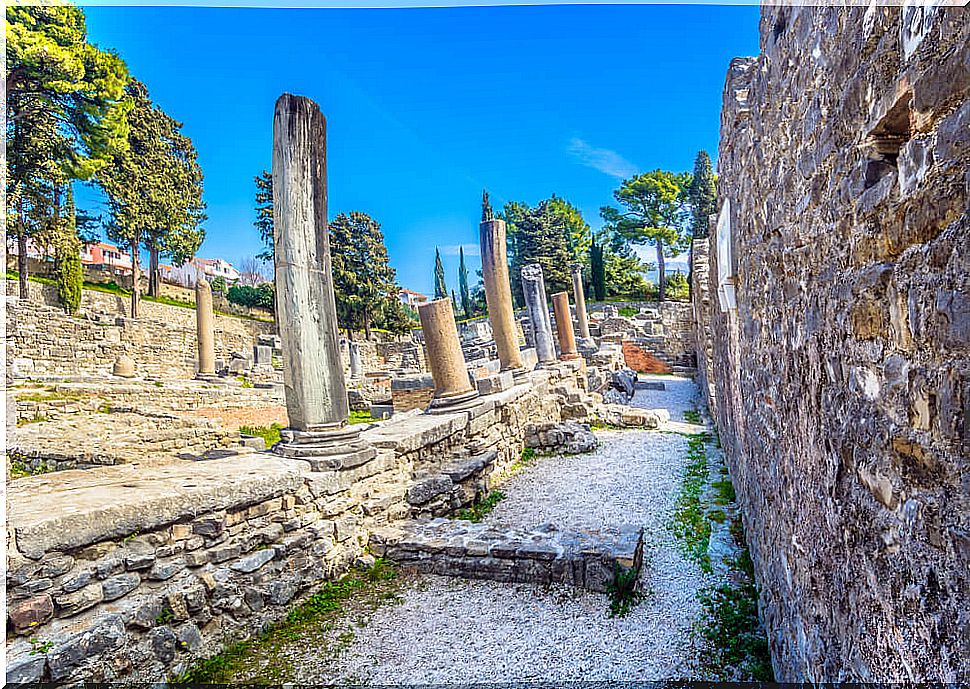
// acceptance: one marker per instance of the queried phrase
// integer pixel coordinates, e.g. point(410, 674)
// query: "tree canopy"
point(264, 213)
point(654, 210)
point(541, 234)
point(465, 293)
point(440, 288)
point(703, 195)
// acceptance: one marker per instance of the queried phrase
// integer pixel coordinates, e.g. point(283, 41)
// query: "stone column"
point(498, 294)
point(452, 386)
point(534, 290)
point(564, 325)
point(204, 328)
point(356, 362)
point(580, 299)
point(316, 393)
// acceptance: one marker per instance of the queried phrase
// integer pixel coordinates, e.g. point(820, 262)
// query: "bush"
point(244, 295)
point(219, 285)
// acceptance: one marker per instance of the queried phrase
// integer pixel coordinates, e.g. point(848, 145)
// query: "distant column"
point(356, 362)
point(204, 328)
point(534, 290)
point(498, 294)
point(452, 385)
point(579, 297)
point(564, 325)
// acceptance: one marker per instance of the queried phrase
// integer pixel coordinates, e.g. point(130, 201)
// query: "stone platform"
point(544, 555)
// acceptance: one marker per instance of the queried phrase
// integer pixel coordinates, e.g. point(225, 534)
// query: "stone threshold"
point(588, 558)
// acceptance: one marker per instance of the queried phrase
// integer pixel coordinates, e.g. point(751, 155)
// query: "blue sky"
point(425, 107)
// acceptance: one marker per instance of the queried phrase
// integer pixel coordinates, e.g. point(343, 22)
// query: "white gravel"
point(454, 630)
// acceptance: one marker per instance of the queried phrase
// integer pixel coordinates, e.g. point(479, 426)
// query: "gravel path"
point(452, 630)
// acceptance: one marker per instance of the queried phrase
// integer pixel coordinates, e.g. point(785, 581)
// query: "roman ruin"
point(791, 444)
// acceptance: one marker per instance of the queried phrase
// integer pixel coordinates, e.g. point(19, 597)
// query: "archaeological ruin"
point(797, 433)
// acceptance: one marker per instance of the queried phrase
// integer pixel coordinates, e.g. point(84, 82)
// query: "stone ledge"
point(76, 508)
point(586, 559)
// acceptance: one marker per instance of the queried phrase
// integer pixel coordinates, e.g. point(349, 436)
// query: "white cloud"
point(470, 250)
point(603, 159)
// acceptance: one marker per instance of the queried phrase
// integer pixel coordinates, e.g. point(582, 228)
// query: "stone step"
point(587, 559)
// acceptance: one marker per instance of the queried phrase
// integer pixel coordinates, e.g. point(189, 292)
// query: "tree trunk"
point(367, 324)
point(22, 259)
point(135, 270)
point(154, 272)
point(661, 273)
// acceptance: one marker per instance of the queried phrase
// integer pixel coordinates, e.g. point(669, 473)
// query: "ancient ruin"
point(767, 481)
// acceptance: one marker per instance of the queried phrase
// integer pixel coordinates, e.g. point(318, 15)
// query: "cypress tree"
point(598, 268)
point(440, 289)
point(466, 297)
point(703, 195)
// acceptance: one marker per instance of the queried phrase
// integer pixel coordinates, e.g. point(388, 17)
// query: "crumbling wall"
point(843, 375)
point(131, 573)
point(43, 341)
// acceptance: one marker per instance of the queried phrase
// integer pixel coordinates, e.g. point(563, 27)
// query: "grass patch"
point(477, 512)
point(623, 591)
point(693, 416)
point(733, 632)
point(37, 418)
point(20, 469)
point(717, 516)
point(628, 311)
point(270, 434)
point(244, 382)
point(320, 613)
point(724, 492)
point(361, 417)
point(690, 524)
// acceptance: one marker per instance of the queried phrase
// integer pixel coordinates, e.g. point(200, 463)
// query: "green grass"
point(320, 613)
point(361, 417)
point(20, 469)
point(623, 591)
point(724, 492)
point(690, 524)
point(628, 311)
point(37, 418)
point(693, 416)
point(270, 434)
point(244, 382)
point(477, 512)
point(733, 632)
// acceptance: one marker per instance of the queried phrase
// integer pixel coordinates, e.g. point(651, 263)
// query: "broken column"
point(579, 298)
point(204, 328)
point(564, 326)
point(356, 362)
point(316, 393)
point(498, 294)
point(534, 291)
point(452, 385)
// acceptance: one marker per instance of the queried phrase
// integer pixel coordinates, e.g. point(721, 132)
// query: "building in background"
point(412, 299)
point(188, 273)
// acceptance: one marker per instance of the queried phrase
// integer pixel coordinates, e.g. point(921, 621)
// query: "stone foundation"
point(132, 572)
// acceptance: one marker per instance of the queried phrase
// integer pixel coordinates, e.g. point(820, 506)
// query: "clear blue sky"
point(425, 107)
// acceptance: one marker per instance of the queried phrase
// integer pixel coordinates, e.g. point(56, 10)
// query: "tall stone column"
point(452, 386)
point(316, 393)
point(534, 290)
point(204, 328)
point(498, 294)
point(564, 325)
point(579, 297)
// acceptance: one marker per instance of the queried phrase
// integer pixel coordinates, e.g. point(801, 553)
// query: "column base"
point(326, 448)
point(519, 375)
point(210, 377)
point(569, 357)
point(446, 405)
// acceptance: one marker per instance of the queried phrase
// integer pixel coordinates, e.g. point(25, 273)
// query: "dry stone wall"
point(43, 341)
point(132, 572)
point(842, 378)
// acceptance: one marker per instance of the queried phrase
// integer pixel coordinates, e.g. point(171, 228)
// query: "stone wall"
point(132, 572)
point(43, 341)
point(842, 378)
point(704, 304)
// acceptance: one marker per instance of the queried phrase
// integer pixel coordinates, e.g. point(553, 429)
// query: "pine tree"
point(440, 289)
point(539, 235)
point(154, 189)
point(466, 297)
point(363, 280)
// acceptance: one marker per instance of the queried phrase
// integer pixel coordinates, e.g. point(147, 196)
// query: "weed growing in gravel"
point(724, 492)
point(312, 622)
point(269, 434)
point(690, 523)
point(623, 591)
point(693, 416)
point(477, 512)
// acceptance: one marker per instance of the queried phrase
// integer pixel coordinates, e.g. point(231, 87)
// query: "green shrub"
point(623, 590)
point(244, 295)
point(68, 274)
point(477, 512)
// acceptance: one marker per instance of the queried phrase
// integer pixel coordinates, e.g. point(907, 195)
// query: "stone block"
point(495, 383)
point(117, 586)
point(31, 612)
point(253, 561)
point(72, 603)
